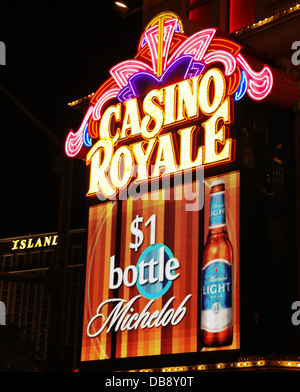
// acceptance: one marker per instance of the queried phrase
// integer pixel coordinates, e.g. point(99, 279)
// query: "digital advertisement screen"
point(162, 274)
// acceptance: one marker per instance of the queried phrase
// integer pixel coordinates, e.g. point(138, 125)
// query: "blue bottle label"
point(216, 309)
point(217, 210)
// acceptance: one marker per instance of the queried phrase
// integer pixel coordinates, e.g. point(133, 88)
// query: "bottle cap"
point(217, 182)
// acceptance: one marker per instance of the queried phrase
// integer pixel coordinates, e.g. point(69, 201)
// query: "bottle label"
point(217, 210)
point(216, 309)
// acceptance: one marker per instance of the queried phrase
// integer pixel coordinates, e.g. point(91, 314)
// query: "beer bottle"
point(216, 298)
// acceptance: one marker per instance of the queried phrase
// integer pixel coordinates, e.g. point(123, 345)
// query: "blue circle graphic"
point(159, 287)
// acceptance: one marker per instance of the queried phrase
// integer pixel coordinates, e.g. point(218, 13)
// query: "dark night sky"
point(56, 52)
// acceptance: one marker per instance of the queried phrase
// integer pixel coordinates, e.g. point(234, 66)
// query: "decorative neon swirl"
point(122, 71)
point(241, 91)
point(259, 83)
point(74, 141)
point(87, 140)
point(225, 58)
point(196, 45)
point(106, 96)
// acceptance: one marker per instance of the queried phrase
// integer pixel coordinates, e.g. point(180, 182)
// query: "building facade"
point(25, 280)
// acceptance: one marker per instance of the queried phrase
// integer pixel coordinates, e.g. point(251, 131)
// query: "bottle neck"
point(217, 230)
point(217, 217)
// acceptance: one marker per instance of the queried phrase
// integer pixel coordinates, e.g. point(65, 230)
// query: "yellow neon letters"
point(135, 136)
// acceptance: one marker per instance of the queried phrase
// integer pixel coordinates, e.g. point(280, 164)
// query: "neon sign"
point(40, 242)
point(149, 113)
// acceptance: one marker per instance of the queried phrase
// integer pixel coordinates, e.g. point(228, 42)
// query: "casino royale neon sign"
point(136, 123)
point(146, 120)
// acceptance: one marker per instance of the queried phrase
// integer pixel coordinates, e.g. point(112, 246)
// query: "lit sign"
point(143, 292)
point(40, 242)
point(146, 120)
point(163, 274)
